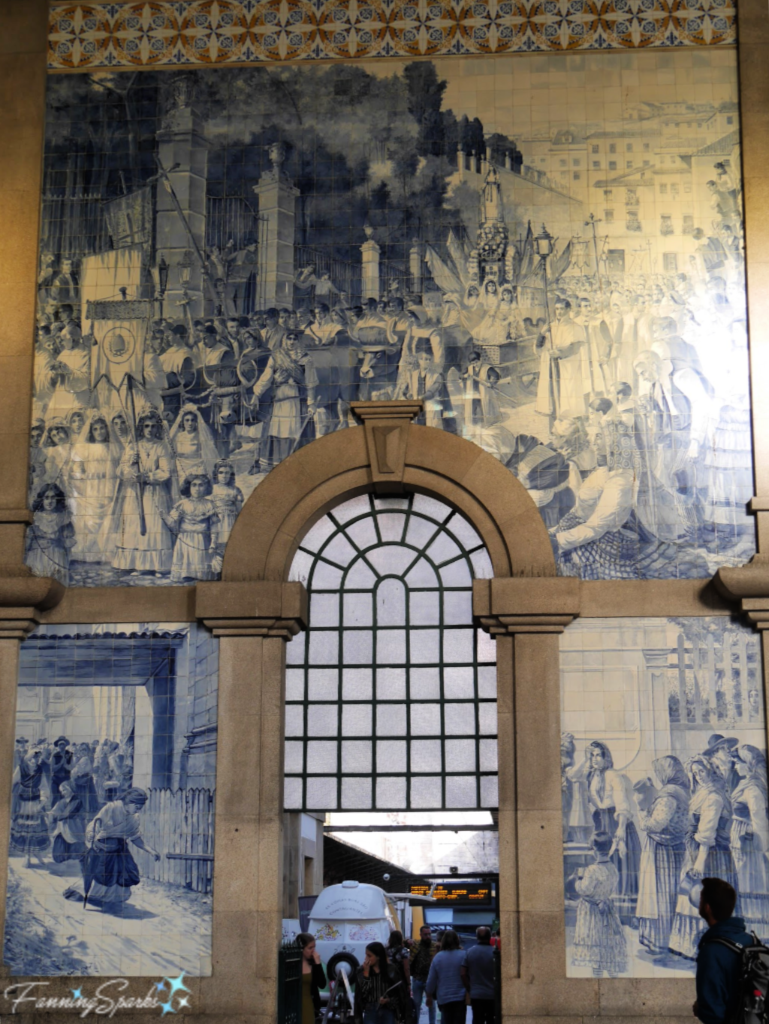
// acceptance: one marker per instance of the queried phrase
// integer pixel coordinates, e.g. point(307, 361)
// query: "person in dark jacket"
point(379, 993)
point(313, 978)
point(718, 967)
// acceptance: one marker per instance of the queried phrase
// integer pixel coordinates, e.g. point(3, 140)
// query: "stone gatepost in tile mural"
point(663, 765)
point(112, 816)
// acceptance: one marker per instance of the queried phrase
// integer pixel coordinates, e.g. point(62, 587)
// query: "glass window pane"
point(292, 794)
point(317, 534)
point(358, 646)
point(339, 550)
point(391, 793)
point(442, 549)
point(422, 575)
point(489, 791)
point(324, 647)
point(324, 610)
point(456, 574)
point(357, 684)
point(295, 649)
point(426, 756)
point(487, 679)
point(326, 577)
point(322, 720)
point(391, 646)
point(488, 755)
point(420, 532)
point(425, 646)
point(391, 603)
point(458, 683)
point(360, 577)
point(425, 684)
point(389, 503)
point(294, 720)
point(458, 645)
point(424, 608)
point(460, 791)
point(390, 719)
point(323, 684)
point(300, 568)
point(425, 720)
point(391, 526)
point(363, 533)
point(356, 720)
point(460, 756)
point(457, 607)
point(431, 507)
point(356, 756)
point(487, 647)
point(487, 719)
point(321, 793)
point(390, 756)
point(358, 610)
point(294, 683)
point(482, 567)
point(391, 684)
point(321, 757)
point(391, 560)
point(352, 508)
point(426, 791)
point(466, 534)
point(356, 794)
point(294, 758)
point(459, 720)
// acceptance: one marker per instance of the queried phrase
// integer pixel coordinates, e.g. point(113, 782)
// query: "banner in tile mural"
point(664, 781)
point(547, 250)
point(112, 808)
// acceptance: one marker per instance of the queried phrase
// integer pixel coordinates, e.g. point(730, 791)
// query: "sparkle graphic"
point(176, 984)
point(77, 993)
point(184, 1002)
point(167, 1008)
point(161, 986)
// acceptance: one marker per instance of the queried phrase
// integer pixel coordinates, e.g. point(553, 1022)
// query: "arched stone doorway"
point(255, 610)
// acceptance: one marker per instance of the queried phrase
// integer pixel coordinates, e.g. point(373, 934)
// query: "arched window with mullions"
point(391, 692)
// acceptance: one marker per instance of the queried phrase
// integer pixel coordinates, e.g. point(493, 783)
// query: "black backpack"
point(750, 1003)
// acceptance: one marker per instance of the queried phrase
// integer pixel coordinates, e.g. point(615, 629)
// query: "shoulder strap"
point(734, 946)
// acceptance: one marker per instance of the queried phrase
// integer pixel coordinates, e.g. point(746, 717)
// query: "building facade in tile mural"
point(111, 841)
point(546, 251)
point(663, 766)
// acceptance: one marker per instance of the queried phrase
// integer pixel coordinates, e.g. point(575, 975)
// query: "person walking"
point(444, 982)
point(313, 978)
point(379, 994)
point(422, 954)
point(478, 976)
point(719, 968)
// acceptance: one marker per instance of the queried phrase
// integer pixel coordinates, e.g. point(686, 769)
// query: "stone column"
point(180, 232)
point(370, 259)
point(253, 621)
point(526, 616)
point(277, 208)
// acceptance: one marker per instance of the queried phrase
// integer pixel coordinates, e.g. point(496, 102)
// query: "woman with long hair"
point(92, 480)
point(379, 992)
point(313, 978)
point(193, 443)
point(750, 839)
point(445, 983)
point(708, 853)
point(664, 827)
point(51, 535)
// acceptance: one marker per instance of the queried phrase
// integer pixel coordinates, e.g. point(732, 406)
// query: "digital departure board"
point(459, 893)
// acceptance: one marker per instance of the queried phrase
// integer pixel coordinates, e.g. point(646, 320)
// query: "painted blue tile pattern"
point(113, 796)
point(663, 766)
point(546, 249)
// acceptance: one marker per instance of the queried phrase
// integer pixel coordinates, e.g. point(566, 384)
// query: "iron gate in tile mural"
point(545, 248)
point(112, 808)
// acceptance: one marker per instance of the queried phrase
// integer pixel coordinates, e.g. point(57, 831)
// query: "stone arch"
point(391, 454)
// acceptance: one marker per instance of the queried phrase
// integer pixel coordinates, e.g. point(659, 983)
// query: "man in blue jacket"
point(718, 967)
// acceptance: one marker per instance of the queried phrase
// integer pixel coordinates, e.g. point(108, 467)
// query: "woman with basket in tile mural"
point(750, 839)
point(29, 829)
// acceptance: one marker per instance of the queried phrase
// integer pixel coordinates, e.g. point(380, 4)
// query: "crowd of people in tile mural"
point(565, 291)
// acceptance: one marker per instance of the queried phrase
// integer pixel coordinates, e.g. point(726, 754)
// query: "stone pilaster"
point(277, 208)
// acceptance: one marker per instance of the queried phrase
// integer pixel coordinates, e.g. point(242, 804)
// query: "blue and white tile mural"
point(112, 809)
point(546, 249)
point(664, 781)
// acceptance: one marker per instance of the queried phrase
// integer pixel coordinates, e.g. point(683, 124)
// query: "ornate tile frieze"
point(210, 32)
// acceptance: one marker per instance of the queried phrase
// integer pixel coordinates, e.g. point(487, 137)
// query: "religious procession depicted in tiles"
point(230, 258)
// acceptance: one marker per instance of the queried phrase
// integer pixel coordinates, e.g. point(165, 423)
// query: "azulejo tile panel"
point(214, 32)
point(113, 800)
point(663, 766)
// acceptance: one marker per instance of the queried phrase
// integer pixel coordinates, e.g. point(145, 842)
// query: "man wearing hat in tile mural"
point(59, 762)
point(721, 751)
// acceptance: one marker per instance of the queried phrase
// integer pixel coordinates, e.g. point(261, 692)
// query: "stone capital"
point(748, 584)
point(23, 597)
point(518, 604)
point(261, 608)
point(387, 435)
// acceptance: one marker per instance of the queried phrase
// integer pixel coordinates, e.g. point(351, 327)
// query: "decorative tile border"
point(209, 32)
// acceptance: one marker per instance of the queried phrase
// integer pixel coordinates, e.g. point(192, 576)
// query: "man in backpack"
point(719, 967)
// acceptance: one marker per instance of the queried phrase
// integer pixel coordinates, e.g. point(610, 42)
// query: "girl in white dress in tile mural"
point(708, 851)
point(599, 942)
point(664, 851)
point(750, 839)
point(92, 478)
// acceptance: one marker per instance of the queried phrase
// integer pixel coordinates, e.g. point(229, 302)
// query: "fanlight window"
point(391, 693)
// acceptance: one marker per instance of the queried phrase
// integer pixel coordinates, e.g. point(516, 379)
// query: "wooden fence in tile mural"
point(179, 824)
point(713, 683)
